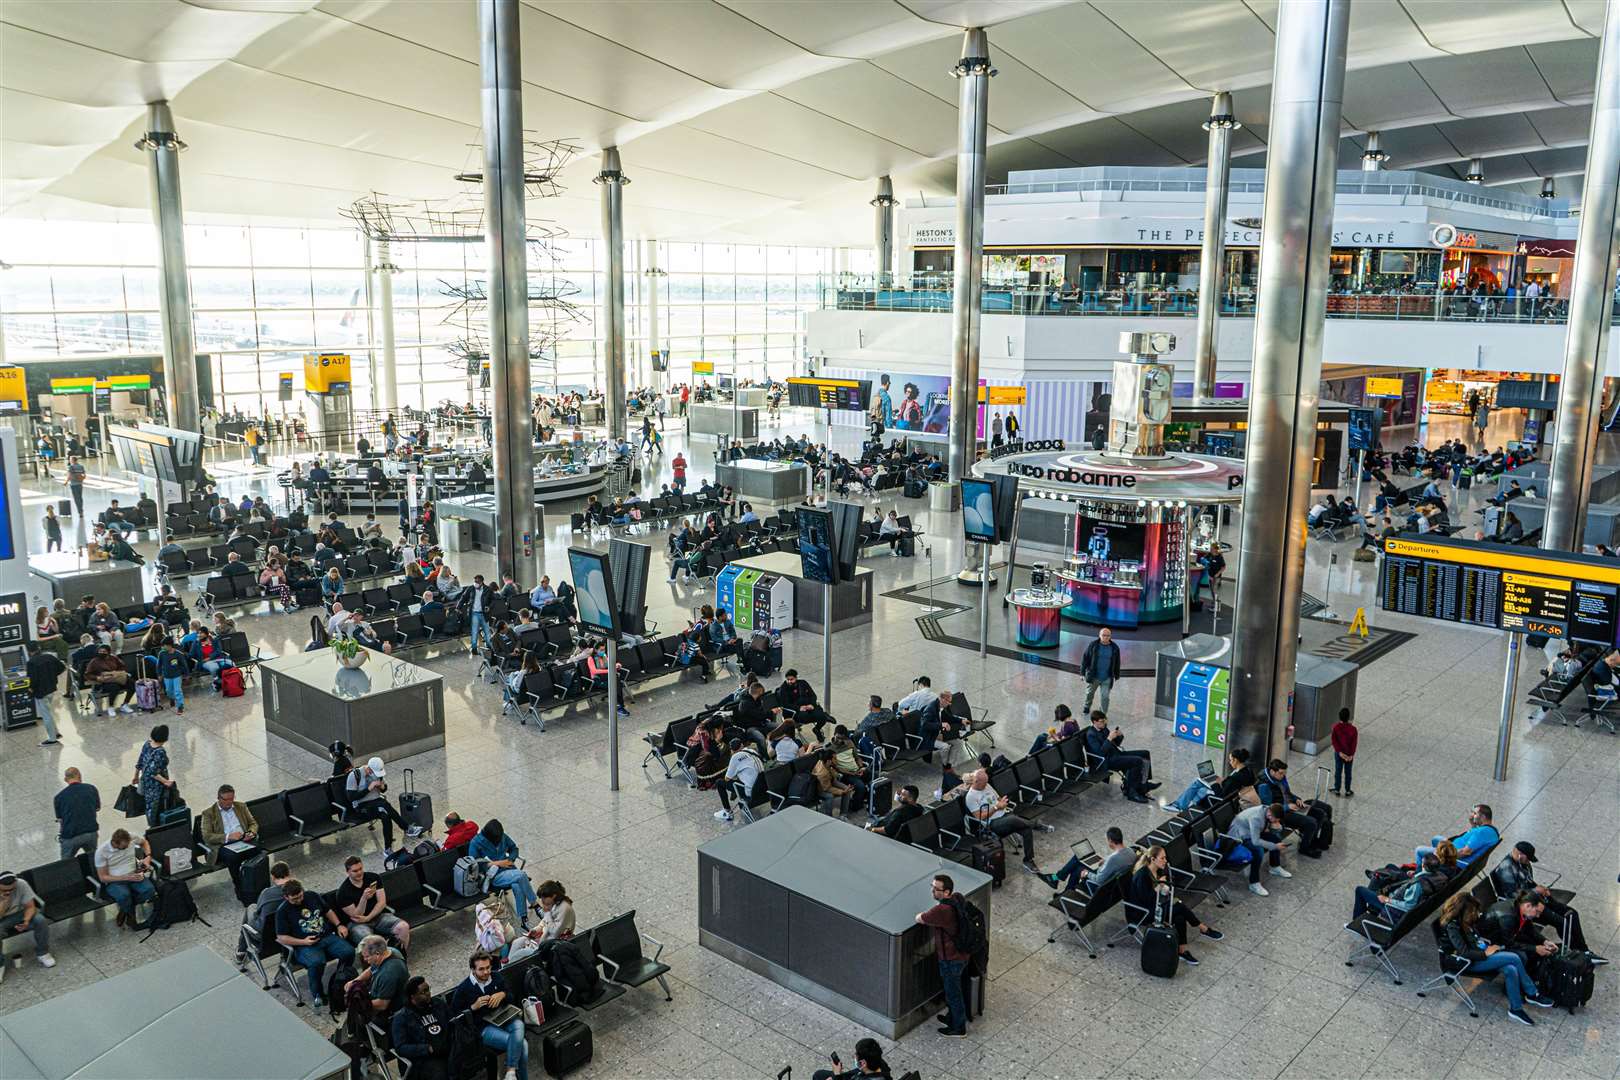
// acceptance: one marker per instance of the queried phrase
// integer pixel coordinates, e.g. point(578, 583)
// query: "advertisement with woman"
point(913, 402)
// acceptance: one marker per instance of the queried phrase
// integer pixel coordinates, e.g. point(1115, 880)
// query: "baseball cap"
point(376, 766)
point(1527, 848)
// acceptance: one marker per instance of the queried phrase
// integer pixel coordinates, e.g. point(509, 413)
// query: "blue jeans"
point(950, 973)
point(175, 688)
point(1071, 871)
point(511, 1041)
point(314, 958)
point(522, 889)
point(1343, 769)
point(128, 894)
point(1195, 793)
point(479, 628)
point(1367, 903)
point(1515, 979)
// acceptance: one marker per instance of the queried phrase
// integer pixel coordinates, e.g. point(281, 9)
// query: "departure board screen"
point(852, 394)
point(1503, 587)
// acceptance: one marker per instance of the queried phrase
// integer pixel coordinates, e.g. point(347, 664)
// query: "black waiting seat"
point(406, 897)
point(179, 834)
point(437, 873)
point(410, 629)
point(617, 944)
point(376, 601)
point(400, 596)
point(275, 831)
point(66, 888)
point(310, 811)
point(1080, 909)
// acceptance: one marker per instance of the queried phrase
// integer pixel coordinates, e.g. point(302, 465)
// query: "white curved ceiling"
point(763, 119)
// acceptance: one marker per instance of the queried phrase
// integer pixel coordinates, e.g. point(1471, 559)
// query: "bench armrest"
point(613, 976)
point(655, 941)
point(434, 895)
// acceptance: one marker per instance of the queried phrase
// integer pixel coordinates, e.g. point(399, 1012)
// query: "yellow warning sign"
point(1358, 625)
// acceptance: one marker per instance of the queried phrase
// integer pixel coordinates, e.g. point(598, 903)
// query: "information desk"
point(479, 512)
point(70, 576)
point(769, 483)
point(851, 600)
point(190, 1014)
point(1040, 617)
point(387, 707)
point(828, 910)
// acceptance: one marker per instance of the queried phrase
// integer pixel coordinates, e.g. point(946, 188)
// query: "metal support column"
point(174, 282)
point(1212, 261)
point(826, 644)
point(660, 380)
point(387, 387)
point(984, 598)
point(613, 711)
point(973, 73)
point(506, 232)
point(1301, 170)
point(1510, 691)
point(883, 231)
point(612, 180)
point(1586, 341)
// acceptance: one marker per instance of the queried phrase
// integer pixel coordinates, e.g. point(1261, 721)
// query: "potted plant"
point(348, 651)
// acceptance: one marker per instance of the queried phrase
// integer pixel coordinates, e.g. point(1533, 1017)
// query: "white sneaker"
point(511, 1074)
point(722, 815)
point(1277, 871)
point(1258, 889)
point(46, 960)
point(126, 709)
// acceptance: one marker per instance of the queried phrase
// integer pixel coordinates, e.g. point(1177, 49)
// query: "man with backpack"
point(958, 930)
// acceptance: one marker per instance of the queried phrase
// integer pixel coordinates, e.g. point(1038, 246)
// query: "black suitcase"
point(252, 878)
point(566, 1047)
point(880, 797)
point(64, 507)
point(1160, 956)
point(1566, 976)
point(414, 807)
point(908, 546)
point(990, 857)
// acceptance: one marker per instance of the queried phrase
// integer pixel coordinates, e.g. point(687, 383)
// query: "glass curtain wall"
point(263, 296)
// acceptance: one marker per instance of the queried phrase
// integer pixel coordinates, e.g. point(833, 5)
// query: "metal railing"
point(1173, 303)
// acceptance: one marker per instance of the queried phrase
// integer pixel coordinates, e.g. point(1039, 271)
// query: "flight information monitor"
point(1503, 587)
point(851, 394)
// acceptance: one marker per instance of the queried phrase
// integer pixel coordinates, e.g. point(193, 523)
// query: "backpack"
point(970, 927)
point(171, 906)
point(803, 790)
point(470, 875)
point(572, 969)
point(231, 683)
point(405, 856)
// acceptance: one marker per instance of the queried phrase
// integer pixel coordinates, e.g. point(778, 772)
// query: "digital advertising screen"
point(979, 510)
point(1364, 428)
point(817, 561)
point(593, 590)
point(913, 402)
point(1118, 541)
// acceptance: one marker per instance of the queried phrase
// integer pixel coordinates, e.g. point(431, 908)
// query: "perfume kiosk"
point(1126, 524)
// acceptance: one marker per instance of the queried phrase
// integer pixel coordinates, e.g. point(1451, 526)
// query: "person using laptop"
point(502, 1028)
point(1238, 777)
point(1084, 865)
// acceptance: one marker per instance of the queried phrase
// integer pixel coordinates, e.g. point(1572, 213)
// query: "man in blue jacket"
point(1100, 666)
point(1303, 817)
point(1132, 765)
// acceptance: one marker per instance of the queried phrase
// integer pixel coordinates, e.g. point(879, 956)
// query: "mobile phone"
point(835, 1061)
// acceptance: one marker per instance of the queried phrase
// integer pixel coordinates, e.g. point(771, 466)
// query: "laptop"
point(1206, 772)
point(503, 1015)
point(1084, 851)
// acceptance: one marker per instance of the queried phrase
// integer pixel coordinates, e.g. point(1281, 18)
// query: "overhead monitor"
point(817, 557)
point(979, 510)
point(846, 520)
point(593, 590)
point(852, 395)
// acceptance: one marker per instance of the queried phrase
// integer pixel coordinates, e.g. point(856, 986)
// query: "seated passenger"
point(906, 808)
point(1238, 776)
point(482, 996)
point(1105, 753)
point(384, 977)
point(1459, 924)
point(501, 850)
point(311, 930)
point(1119, 860)
point(995, 811)
point(1480, 835)
point(362, 903)
point(1304, 817)
point(1516, 874)
point(121, 868)
point(1150, 890)
point(1260, 829)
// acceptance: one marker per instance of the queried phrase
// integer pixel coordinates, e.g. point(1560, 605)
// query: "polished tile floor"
point(1273, 999)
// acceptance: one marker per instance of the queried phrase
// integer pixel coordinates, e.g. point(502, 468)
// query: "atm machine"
point(329, 405)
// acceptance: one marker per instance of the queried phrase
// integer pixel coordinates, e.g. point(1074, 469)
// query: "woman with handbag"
point(152, 772)
point(1149, 890)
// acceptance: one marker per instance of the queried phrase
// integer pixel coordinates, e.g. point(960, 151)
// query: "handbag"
point(169, 798)
point(130, 801)
point(534, 1012)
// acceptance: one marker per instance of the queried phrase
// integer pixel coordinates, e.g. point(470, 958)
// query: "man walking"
point(75, 483)
point(1101, 667)
point(76, 809)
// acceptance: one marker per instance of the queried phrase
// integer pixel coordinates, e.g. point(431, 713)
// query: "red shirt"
point(461, 833)
point(941, 919)
point(1344, 738)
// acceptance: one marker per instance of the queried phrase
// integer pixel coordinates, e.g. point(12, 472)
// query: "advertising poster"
point(912, 402)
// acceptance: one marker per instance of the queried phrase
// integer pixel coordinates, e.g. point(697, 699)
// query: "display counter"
point(723, 420)
point(388, 708)
point(772, 483)
point(1101, 603)
point(1040, 616)
point(70, 576)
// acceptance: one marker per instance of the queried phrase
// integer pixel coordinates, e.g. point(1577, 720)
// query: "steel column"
point(613, 711)
point(883, 231)
point(1212, 261)
point(174, 282)
point(1510, 692)
point(612, 181)
point(659, 380)
point(1306, 104)
point(973, 72)
point(388, 379)
point(506, 232)
point(1586, 341)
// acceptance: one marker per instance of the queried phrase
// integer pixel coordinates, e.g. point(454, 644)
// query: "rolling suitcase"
point(252, 878)
point(415, 807)
point(1160, 957)
point(565, 1048)
point(1566, 976)
point(880, 797)
point(908, 546)
point(146, 689)
point(990, 857)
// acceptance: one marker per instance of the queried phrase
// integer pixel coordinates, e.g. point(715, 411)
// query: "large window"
point(262, 296)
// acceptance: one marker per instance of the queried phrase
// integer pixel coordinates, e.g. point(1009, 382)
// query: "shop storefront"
point(1548, 263)
point(1480, 261)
